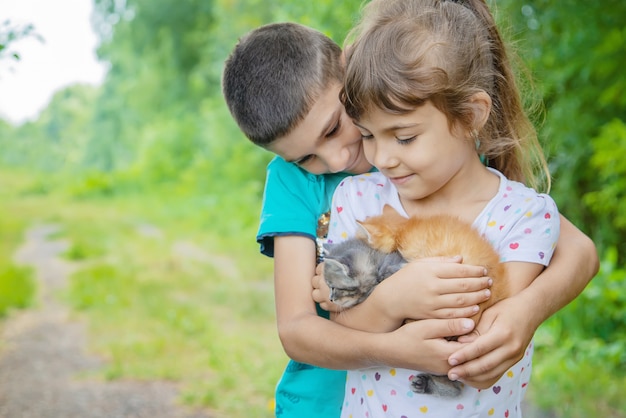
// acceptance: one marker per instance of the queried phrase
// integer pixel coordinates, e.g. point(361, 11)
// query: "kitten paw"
point(419, 383)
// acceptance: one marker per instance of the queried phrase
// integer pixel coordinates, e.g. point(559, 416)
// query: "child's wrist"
point(534, 306)
point(387, 302)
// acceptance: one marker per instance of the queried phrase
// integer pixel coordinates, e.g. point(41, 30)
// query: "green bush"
point(598, 316)
point(17, 288)
point(586, 342)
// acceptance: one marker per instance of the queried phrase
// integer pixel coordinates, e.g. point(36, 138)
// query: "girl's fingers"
point(450, 313)
point(461, 300)
point(461, 286)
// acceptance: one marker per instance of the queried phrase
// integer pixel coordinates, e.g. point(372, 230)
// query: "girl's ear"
point(481, 105)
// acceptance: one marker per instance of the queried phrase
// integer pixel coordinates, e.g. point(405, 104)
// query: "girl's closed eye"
point(365, 134)
point(407, 140)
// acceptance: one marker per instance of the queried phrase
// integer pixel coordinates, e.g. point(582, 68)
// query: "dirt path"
point(44, 354)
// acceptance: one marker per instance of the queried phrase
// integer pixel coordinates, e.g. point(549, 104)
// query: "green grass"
point(157, 312)
point(17, 287)
point(167, 293)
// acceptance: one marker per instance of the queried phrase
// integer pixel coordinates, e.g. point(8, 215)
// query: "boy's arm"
point(311, 339)
point(503, 337)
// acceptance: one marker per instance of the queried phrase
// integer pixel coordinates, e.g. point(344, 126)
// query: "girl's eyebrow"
point(393, 127)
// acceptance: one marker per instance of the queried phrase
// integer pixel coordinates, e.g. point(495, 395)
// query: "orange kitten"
point(441, 235)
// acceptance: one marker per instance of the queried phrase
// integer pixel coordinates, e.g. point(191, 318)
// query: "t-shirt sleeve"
point(357, 198)
point(342, 213)
point(290, 204)
point(533, 229)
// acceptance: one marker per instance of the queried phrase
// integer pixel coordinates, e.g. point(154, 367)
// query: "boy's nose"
point(337, 159)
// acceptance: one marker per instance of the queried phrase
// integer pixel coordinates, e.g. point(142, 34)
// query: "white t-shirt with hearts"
point(521, 224)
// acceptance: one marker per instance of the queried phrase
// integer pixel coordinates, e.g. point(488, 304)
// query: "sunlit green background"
point(151, 162)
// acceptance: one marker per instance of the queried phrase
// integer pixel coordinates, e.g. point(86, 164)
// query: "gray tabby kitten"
point(352, 269)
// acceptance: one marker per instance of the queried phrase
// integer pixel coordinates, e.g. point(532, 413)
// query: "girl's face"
point(326, 141)
point(417, 151)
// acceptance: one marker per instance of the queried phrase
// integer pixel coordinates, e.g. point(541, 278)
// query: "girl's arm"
point(503, 338)
point(311, 339)
point(417, 291)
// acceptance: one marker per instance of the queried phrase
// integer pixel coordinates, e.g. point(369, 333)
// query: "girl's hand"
point(421, 345)
point(499, 341)
point(438, 287)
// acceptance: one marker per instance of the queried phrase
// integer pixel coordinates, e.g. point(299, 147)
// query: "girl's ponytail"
point(524, 161)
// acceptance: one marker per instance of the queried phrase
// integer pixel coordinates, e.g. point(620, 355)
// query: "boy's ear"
point(481, 106)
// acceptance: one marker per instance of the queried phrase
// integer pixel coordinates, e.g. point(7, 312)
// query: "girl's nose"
point(380, 156)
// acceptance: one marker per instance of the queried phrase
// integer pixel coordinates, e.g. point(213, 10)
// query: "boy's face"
point(326, 141)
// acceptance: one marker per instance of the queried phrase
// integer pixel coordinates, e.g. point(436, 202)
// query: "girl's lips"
point(400, 180)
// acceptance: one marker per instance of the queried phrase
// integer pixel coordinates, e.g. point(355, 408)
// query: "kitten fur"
point(387, 242)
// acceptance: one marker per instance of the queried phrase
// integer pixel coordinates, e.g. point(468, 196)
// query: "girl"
point(436, 96)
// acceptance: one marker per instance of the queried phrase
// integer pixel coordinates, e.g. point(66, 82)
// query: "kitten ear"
point(388, 209)
point(363, 233)
point(391, 214)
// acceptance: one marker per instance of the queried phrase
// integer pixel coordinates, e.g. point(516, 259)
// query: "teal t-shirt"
point(292, 203)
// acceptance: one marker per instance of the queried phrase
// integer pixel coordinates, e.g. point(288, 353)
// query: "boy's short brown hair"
point(275, 74)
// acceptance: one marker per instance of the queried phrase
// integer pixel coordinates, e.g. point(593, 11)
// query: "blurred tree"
point(56, 140)
point(152, 49)
point(577, 51)
point(155, 113)
point(11, 33)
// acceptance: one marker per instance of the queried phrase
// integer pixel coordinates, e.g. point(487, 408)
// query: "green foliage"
point(11, 33)
point(609, 164)
point(598, 315)
point(586, 339)
point(580, 77)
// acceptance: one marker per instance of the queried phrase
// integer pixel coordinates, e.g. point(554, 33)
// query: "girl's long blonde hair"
point(406, 52)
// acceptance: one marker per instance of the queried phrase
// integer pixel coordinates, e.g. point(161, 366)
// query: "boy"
point(282, 84)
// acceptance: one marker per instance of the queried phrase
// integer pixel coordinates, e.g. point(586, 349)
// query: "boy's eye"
point(304, 159)
point(364, 137)
point(335, 129)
